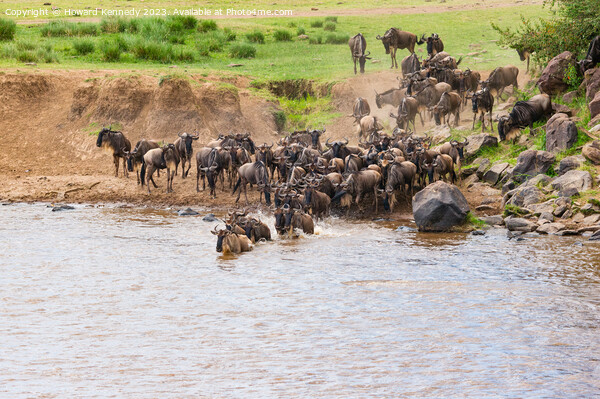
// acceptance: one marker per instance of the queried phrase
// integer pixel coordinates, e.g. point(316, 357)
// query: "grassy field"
point(463, 32)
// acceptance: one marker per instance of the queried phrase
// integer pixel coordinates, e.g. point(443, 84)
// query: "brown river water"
point(136, 303)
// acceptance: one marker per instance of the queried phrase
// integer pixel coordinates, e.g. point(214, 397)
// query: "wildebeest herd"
point(302, 179)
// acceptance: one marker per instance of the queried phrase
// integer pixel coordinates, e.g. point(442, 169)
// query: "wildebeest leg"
point(188, 168)
point(148, 177)
point(457, 117)
point(240, 192)
point(198, 180)
point(125, 172)
point(116, 161)
point(245, 193)
point(152, 179)
point(375, 196)
point(354, 59)
point(491, 122)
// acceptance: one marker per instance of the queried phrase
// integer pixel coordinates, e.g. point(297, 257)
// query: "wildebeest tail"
point(338, 195)
point(236, 185)
point(459, 61)
point(143, 173)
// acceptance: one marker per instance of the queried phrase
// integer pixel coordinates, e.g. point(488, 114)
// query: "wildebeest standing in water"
point(394, 39)
point(183, 146)
point(229, 242)
point(136, 156)
point(358, 45)
point(115, 142)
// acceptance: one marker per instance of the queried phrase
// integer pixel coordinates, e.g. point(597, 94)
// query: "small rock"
point(209, 218)
point(235, 65)
point(469, 181)
point(579, 217)
point(484, 164)
point(187, 212)
point(550, 228)
point(57, 208)
point(560, 210)
point(570, 96)
point(591, 220)
point(592, 151)
point(570, 163)
point(567, 215)
point(531, 163)
point(482, 208)
point(495, 172)
point(544, 207)
point(568, 233)
point(519, 224)
point(302, 37)
point(595, 236)
point(495, 220)
point(479, 141)
point(546, 216)
point(478, 233)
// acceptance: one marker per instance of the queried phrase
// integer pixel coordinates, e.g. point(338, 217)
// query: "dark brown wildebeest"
point(455, 150)
point(523, 114)
point(393, 97)
point(482, 102)
point(410, 64)
point(442, 166)
point(407, 112)
point(368, 124)
point(183, 146)
point(296, 219)
point(207, 166)
point(265, 154)
point(229, 242)
point(434, 44)
point(449, 104)
point(437, 58)
point(395, 39)
point(358, 45)
point(353, 163)
point(253, 173)
point(116, 144)
point(316, 202)
point(501, 78)
point(360, 109)
point(308, 137)
point(591, 58)
point(430, 95)
point(362, 182)
point(136, 156)
point(159, 158)
point(469, 83)
point(399, 176)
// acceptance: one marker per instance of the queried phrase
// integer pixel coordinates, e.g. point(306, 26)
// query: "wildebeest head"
point(103, 136)
point(504, 126)
point(386, 39)
point(378, 100)
point(362, 59)
point(429, 168)
point(129, 156)
point(279, 220)
point(336, 146)
point(460, 147)
point(314, 137)
point(248, 144)
point(188, 139)
point(221, 234)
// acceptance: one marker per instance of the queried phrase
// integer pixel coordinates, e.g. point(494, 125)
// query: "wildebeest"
point(449, 104)
point(393, 97)
point(469, 83)
point(524, 54)
point(394, 39)
point(442, 165)
point(229, 242)
point(360, 109)
point(500, 78)
point(410, 64)
point(115, 143)
point(353, 163)
point(159, 158)
point(523, 114)
point(316, 202)
point(430, 95)
point(253, 173)
point(482, 102)
point(207, 167)
point(359, 183)
point(400, 175)
point(183, 146)
point(455, 149)
point(368, 124)
point(592, 57)
point(358, 45)
point(434, 44)
point(296, 219)
point(136, 156)
point(407, 112)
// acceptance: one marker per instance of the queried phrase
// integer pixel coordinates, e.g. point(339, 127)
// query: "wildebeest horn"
point(393, 116)
point(376, 92)
point(346, 140)
point(179, 134)
point(327, 144)
point(466, 141)
point(378, 37)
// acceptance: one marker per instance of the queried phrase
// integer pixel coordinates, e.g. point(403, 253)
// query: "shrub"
point(189, 22)
point(83, 46)
point(333, 38)
point(153, 51)
point(572, 77)
point(332, 19)
point(282, 35)
point(26, 45)
point(69, 29)
point(27, 56)
point(176, 39)
point(316, 23)
point(114, 25)
point(211, 42)
point(8, 27)
point(280, 120)
point(329, 26)
point(242, 50)
point(207, 25)
point(300, 31)
point(256, 37)
point(315, 39)
point(8, 51)
point(111, 51)
point(230, 35)
point(179, 23)
point(183, 55)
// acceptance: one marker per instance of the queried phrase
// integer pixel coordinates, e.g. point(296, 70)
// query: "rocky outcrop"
point(523, 196)
point(569, 163)
point(573, 182)
point(592, 152)
point(496, 172)
point(550, 228)
point(479, 141)
point(519, 224)
point(531, 163)
point(594, 106)
point(592, 83)
point(439, 207)
point(551, 80)
point(561, 133)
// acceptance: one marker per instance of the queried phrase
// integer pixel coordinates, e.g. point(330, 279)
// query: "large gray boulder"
point(477, 142)
point(592, 83)
point(594, 106)
point(551, 80)
point(531, 163)
point(579, 180)
point(523, 196)
point(592, 152)
point(550, 228)
point(439, 207)
point(569, 163)
point(496, 172)
point(561, 133)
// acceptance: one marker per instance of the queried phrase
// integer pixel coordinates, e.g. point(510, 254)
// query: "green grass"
point(329, 26)
point(242, 50)
point(282, 35)
point(256, 37)
point(207, 25)
point(475, 221)
point(309, 111)
point(69, 29)
point(510, 209)
point(83, 46)
point(8, 28)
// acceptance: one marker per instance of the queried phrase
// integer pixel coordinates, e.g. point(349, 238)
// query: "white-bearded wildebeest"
point(591, 58)
point(437, 58)
point(501, 78)
point(229, 242)
point(183, 146)
point(159, 158)
point(368, 124)
point(316, 202)
point(265, 154)
point(115, 143)
point(455, 150)
point(393, 97)
point(524, 114)
point(449, 104)
point(443, 165)
point(434, 44)
point(358, 46)
point(430, 95)
point(410, 64)
point(394, 39)
point(136, 156)
point(469, 83)
point(482, 102)
point(360, 109)
point(359, 183)
point(400, 175)
point(207, 167)
point(296, 219)
point(407, 112)
point(253, 173)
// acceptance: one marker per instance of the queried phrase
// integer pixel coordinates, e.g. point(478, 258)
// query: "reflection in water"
point(137, 303)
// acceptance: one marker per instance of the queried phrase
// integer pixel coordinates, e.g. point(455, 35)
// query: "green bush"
point(153, 51)
point(8, 27)
point(111, 51)
point(26, 45)
point(230, 35)
point(282, 35)
point(333, 38)
point(315, 39)
point(300, 31)
point(69, 29)
point(329, 26)
point(83, 46)
point(188, 21)
point(176, 39)
point(256, 37)
point(572, 77)
point(8, 51)
point(207, 25)
point(242, 50)
point(280, 120)
point(331, 18)
point(316, 23)
point(183, 55)
point(210, 43)
point(114, 25)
